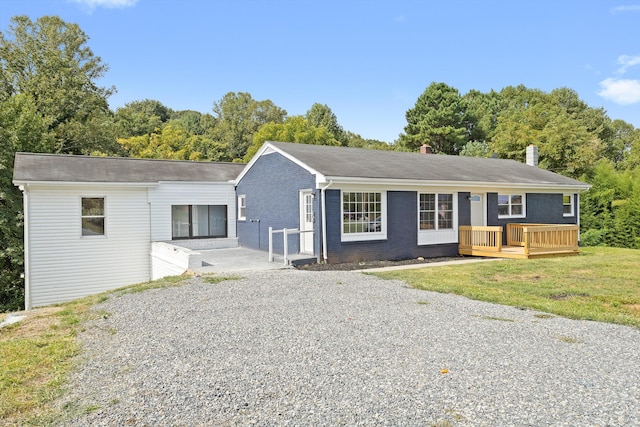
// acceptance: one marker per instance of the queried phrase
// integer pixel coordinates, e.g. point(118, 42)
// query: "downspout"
point(27, 264)
point(324, 220)
point(578, 214)
point(150, 235)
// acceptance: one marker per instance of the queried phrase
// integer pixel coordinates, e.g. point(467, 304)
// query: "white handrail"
point(285, 232)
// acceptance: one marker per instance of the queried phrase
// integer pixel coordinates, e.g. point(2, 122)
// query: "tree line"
point(50, 102)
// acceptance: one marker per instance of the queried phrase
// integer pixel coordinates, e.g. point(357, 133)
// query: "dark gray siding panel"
point(402, 234)
point(271, 188)
point(542, 208)
point(464, 209)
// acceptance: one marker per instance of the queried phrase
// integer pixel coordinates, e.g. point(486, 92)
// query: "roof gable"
point(33, 167)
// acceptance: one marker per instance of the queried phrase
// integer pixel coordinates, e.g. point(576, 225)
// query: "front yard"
point(601, 284)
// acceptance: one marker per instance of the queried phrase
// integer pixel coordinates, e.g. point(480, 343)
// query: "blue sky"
point(367, 60)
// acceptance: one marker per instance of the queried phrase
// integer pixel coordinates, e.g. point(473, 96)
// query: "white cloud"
point(109, 4)
point(627, 61)
point(631, 8)
point(620, 91)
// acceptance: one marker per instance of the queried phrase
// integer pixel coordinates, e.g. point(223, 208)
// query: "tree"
point(48, 60)
point(239, 117)
point(436, 119)
point(355, 140)
point(476, 149)
point(21, 129)
point(141, 117)
point(481, 114)
point(294, 129)
point(321, 115)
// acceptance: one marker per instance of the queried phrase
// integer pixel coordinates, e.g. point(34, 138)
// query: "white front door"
point(306, 222)
point(477, 210)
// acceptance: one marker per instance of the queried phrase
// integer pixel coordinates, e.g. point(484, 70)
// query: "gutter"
point(324, 220)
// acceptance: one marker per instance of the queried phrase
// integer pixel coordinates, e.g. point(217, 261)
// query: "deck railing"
point(548, 238)
point(285, 233)
point(479, 238)
point(533, 238)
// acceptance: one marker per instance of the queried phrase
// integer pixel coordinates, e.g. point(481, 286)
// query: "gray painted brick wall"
point(402, 234)
point(541, 208)
point(271, 188)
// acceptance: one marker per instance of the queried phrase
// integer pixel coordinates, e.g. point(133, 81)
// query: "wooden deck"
point(524, 241)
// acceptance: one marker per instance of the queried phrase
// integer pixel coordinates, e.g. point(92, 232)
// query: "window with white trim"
point(567, 205)
point(363, 215)
point(242, 207)
point(92, 216)
point(435, 211)
point(511, 206)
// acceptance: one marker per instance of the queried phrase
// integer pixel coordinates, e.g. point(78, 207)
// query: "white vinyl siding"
point(166, 195)
point(64, 265)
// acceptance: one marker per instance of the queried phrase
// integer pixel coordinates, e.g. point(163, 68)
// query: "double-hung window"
point(435, 211)
point(198, 221)
point(567, 205)
point(242, 207)
point(363, 215)
point(92, 216)
point(511, 206)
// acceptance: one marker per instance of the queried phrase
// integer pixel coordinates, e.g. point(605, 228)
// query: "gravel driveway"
point(343, 348)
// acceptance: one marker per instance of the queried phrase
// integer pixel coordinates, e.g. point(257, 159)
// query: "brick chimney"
point(532, 155)
point(426, 149)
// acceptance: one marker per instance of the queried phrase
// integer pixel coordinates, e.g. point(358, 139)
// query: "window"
point(242, 207)
point(363, 215)
point(435, 211)
point(92, 216)
point(567, 205)
point(198, 221)
point(511, 206)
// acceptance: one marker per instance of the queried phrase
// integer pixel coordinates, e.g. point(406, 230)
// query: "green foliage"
point(320, 115)
point(294, 129)
point(49, 61)
point(357, 141)
point(21, 129)
point(476, 149)
point(610, 210)
point(139, 118)
point(437, 119)
point(239, 117)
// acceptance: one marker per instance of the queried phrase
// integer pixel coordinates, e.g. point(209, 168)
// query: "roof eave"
point(345, 180)
point(19, 182)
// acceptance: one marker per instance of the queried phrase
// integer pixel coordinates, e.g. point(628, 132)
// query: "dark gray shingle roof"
point(378, 164)
point(69, 168)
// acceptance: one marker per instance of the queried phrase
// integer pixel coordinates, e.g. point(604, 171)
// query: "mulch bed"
point(345, 266)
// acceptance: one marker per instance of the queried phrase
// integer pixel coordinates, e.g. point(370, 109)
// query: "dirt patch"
point(346, 266)
point(565, 296)
point(35, 321)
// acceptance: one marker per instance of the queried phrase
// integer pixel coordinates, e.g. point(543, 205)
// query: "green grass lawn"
point(601, 284)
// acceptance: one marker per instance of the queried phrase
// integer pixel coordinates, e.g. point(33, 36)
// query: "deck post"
point(270, 244)
point(527, 240)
